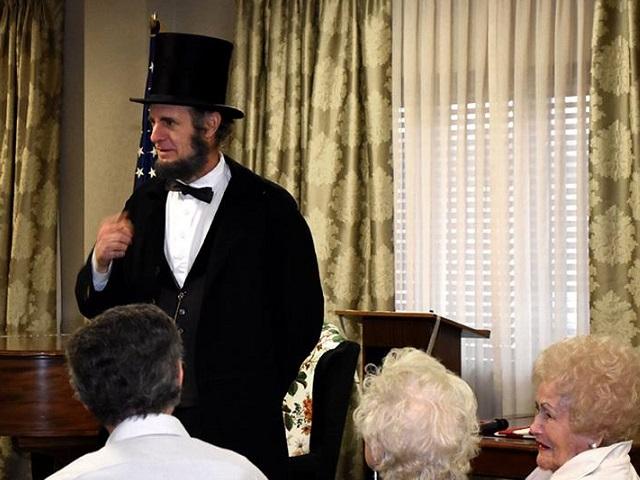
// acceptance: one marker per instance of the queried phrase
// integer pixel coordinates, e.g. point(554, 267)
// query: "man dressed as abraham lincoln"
point(223, 251)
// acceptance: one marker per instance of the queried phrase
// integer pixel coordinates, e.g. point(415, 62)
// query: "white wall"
point(106, 48)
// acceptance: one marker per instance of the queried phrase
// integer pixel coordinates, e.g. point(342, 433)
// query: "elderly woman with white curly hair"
point(588, 409)
point(418, 419)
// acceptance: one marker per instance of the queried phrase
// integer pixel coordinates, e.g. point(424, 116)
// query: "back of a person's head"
point(125, 363)
point(417, 419)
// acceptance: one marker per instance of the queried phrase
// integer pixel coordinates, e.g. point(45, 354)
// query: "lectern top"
point(365, 315)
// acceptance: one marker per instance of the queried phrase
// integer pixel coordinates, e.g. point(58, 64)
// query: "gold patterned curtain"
point(314, 79)
point(614, 223)
point(31, 33)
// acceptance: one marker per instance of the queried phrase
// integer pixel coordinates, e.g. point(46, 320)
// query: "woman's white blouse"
point(605, 463)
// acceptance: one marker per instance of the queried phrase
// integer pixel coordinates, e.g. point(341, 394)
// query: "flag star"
point(140, 152)
point(154, 152)
point(139, 172)
point(152, 172)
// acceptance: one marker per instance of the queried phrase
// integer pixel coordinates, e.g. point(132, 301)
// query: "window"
point(490, 155)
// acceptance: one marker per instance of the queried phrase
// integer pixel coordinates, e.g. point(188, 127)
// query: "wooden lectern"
point(382, 331)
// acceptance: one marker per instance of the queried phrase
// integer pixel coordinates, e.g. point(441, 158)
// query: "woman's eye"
point(543, 412)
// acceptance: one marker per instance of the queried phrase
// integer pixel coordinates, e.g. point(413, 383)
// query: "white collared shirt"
point(158, 447)
point(187, 222)
point(604, 463)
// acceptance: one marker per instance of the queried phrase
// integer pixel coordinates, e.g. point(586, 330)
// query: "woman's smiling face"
point(551, 428)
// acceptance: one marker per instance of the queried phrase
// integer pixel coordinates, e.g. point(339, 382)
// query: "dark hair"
point(126, 362)
point(224, 129)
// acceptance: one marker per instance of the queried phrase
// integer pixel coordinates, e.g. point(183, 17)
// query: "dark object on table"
point(489, 427)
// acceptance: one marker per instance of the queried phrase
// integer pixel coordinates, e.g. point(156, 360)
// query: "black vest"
point(183, 305)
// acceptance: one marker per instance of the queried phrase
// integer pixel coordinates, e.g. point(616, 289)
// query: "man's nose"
point(156, 133)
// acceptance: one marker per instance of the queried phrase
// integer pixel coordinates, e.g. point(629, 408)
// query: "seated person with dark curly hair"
point(126, 368)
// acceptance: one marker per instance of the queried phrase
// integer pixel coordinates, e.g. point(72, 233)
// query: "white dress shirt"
point(187, 222)
point(158, 447)
point(604, 463)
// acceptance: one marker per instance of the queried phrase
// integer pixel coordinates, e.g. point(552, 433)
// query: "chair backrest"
point(332, 388)
point(332, 385)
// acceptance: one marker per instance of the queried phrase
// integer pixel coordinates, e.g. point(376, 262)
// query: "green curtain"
point(314, 79)
point(31, 33)
point(614, 170)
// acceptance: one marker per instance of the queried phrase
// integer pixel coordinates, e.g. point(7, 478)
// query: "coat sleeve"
point(92, 302)
point(117, 291)
point(296, 291)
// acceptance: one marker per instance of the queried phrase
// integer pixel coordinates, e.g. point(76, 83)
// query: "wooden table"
point(505, 457)
point(37, 407)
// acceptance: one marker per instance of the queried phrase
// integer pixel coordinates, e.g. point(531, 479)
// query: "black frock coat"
point(261, 313)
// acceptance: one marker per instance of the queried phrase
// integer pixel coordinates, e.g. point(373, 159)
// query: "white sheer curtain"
point(490, 154)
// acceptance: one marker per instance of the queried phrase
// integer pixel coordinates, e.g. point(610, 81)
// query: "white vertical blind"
point(490, 151)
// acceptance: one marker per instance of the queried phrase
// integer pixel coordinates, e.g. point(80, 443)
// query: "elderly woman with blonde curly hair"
point(418, 420)
point(588, 409)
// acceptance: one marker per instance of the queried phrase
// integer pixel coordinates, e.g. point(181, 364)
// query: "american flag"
point(146, 149)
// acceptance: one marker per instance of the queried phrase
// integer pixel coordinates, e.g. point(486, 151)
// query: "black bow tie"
point(204, 194)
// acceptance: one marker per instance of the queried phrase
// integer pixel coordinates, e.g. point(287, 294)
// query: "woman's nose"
point(534, 428)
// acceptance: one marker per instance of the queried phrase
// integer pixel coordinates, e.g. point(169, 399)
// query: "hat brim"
point(227, 110)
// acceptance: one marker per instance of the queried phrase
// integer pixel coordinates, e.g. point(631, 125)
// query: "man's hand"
point(114, 237)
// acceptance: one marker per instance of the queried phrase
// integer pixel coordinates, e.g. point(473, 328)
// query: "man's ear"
point(212, 123)
point(180, 372)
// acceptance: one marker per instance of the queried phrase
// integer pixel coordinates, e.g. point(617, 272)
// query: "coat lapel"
point(236, 207)
point(153, 236)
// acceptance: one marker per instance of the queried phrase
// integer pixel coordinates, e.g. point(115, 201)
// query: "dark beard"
point(186, 169)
